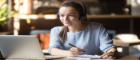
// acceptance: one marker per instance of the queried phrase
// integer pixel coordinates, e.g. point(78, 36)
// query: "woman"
point(77, 36)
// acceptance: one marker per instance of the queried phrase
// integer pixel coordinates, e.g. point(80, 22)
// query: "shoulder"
point(56, 29)
point(95, 25)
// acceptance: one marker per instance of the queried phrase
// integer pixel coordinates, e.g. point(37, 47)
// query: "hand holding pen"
point(75, 50)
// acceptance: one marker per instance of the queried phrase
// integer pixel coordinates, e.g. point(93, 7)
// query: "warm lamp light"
point(138, 1)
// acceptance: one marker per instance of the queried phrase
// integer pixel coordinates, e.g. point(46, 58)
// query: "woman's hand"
point(110, 54)
point(75, 51)
point(68, 53)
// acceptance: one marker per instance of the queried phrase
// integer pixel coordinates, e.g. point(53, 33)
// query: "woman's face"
point(69, 16)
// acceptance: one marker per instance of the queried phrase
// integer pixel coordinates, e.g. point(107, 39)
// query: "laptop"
point(20, 47)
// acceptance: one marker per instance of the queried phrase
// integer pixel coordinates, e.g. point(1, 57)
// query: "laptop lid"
point(20, 47)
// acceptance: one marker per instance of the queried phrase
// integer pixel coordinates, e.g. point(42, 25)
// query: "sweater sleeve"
point(54, 39)
point(105, 42)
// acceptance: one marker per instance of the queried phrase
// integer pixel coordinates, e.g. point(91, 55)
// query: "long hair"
point(82, 12)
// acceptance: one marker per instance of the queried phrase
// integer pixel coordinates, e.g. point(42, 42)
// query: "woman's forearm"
point(60, 52)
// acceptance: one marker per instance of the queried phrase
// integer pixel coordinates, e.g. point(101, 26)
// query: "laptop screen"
point(20, 47)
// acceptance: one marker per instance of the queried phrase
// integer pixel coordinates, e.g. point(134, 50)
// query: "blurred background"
point(30, 17)
point(24, 16)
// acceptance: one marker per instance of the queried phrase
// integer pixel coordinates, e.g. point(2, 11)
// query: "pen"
point(72, 45)
point(75, 46)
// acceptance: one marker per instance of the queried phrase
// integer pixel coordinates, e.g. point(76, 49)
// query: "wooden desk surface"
point(72, 58)
point(124, 58)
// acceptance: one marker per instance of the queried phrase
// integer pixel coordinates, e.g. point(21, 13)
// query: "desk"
point(72, 58)
point(125, 45)
point(21, 59)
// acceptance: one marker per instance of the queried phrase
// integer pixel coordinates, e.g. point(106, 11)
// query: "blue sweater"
point(93, 39)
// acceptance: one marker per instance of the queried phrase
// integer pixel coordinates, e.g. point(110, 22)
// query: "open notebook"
point(20, 47)
point(85, 57)
point(89, 56)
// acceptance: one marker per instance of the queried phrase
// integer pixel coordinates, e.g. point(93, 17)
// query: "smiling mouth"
point(66, 22)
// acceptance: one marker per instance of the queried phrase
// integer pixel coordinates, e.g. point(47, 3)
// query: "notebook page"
point(90, 56)
point(85, 57)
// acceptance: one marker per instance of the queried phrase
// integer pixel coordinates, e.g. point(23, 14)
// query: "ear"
point(83, 18)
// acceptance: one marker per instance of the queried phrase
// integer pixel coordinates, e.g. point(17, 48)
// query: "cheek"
point(61, 19)
point(74, 18)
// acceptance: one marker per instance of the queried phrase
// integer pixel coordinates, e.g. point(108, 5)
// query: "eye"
point(73, 15)
point(61, 15)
